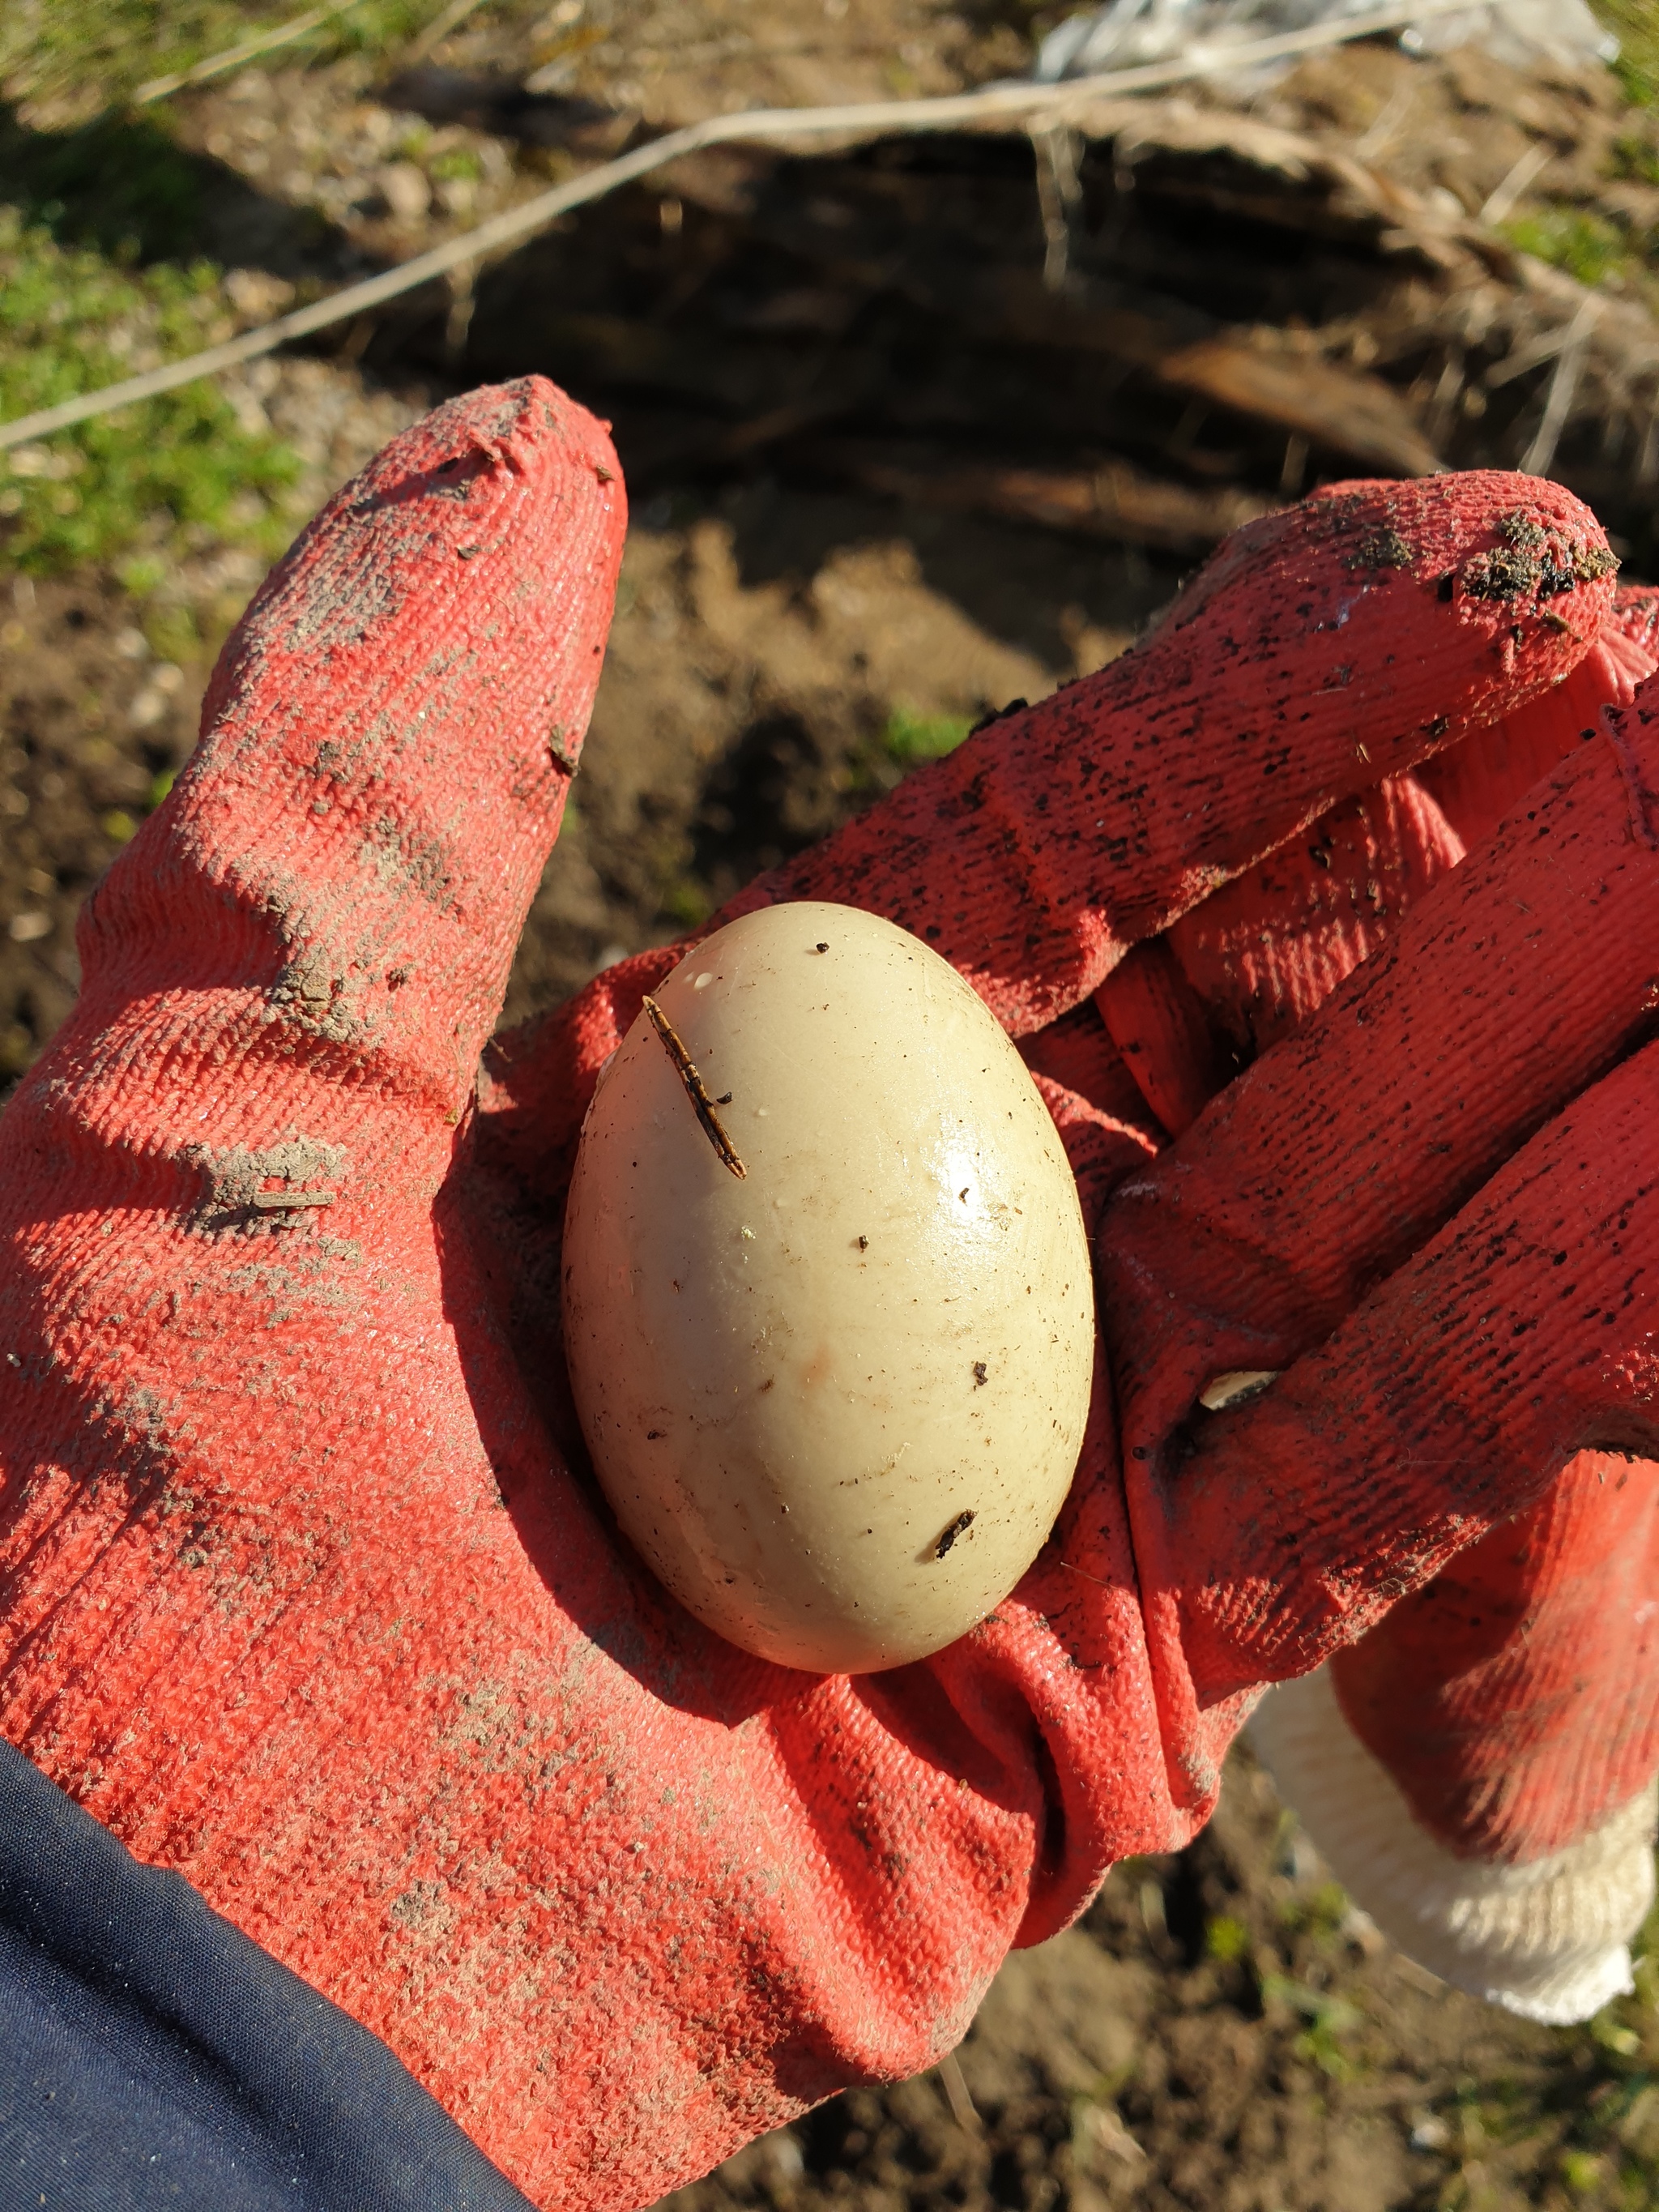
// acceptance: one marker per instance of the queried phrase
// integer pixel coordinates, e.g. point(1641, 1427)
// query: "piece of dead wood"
point(845, 224)
point(1111, 501)
point(1346, 411)
point(1237, 301)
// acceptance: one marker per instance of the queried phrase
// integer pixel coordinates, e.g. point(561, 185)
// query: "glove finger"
point(1078, 1051)
point(337, 883)
point(1480, 1768)
point(1267, 948)
point(1343, 1148)
point(1321, 649)
point(1518, 1336)
point(1633, 627)
point(1188, 1009)
point(1264, 950)
point(1496, 1739)
point(1164, 1030)
point(1477, 782)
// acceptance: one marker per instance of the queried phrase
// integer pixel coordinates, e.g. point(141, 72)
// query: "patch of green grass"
point(1587, 246)
point(1329, 2019)
point(1226, 1940)
point(1320, 1915)
point(121, 182)
point(118, 182)
point(1636, 156)
point(153, 480)
point(106, 49)
point(1636, 25)
point(687, 903)
point(459, 164)
point(1582, 2170)
point(910, 737)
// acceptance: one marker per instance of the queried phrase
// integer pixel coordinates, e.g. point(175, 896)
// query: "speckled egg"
point(828, 1304)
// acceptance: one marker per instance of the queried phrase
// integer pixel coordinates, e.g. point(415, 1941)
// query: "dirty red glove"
point(306, 1594)
point(1479, 1767)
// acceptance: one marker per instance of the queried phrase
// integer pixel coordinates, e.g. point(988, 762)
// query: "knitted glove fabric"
point(307, 1594)
point(1479, 1767)
point(1480, 1770)
point(1482, 1764)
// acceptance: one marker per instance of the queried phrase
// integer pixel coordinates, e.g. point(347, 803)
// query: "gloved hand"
point(1480, 1768)
point(307, 1592)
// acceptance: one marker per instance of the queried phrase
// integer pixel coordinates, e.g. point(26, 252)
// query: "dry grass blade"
point(233, 57)
point(447, 21)
point(1563, 383)
point(963, 2110)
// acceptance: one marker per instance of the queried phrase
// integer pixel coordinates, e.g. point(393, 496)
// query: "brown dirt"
point(762, 646)
point(75, 768)
point(1222, 2031)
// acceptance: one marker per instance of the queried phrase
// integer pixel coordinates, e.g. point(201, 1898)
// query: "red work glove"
point(306, 1593)
point(1479, 1768)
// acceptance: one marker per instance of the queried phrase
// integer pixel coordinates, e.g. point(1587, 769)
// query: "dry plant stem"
point(963, 2110)
point(962, 1523)
point(233, 57)
point(1531, 166)
point(450, 18)
point(697, 1090)
point(864, 119)
point(1060, 193)
point(1563, 384)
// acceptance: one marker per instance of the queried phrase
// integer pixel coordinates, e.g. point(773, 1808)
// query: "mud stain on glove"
point(245, 1186)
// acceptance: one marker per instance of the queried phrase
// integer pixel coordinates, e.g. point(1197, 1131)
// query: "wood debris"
point(1148, 328)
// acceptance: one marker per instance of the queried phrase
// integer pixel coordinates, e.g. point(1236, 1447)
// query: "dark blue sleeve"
point(152, 2056)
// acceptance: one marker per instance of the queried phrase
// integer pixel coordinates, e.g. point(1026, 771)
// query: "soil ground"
point(1222, 2031)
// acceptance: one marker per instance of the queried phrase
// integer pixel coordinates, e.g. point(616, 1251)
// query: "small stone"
point(257, 296)
point(404, 189)
point(148, 706)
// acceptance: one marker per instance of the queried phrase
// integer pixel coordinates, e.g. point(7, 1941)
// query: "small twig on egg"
point(696, 1089)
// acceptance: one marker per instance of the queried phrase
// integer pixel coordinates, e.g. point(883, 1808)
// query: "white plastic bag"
point(1125, 32)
